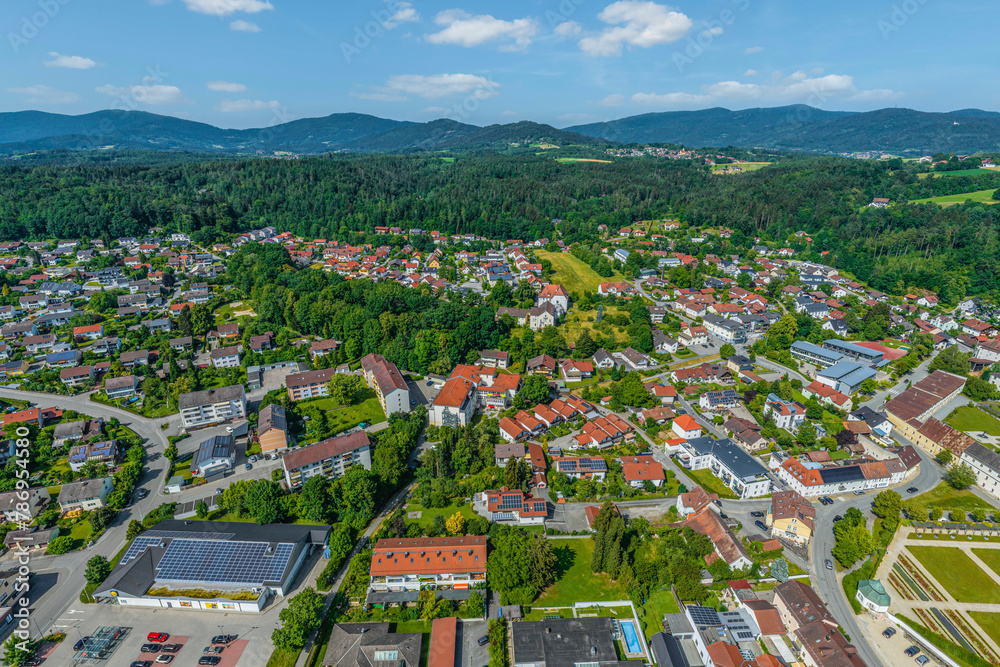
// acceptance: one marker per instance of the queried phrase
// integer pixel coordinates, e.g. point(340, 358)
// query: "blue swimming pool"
point(631, 638)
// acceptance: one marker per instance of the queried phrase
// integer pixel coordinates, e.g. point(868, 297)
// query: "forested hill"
point(804, 128)
point(951, 251)
point(27, 131)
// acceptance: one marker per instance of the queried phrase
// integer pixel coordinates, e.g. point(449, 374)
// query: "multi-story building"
point(419, 563)
point(637, 470)
point(726, 460)
point(85, 495)
point(212, 406)
point(846, 376)
point(731, 331)
point(786, 414)
point(455, 404)
point(985, 462)
point(791, 516)
point(309, 384)
point(215, 455)
point(121, 387)
point(72, 377)
point(272, 428)
point(226, 357)
point(101, 452)
point(388, 383)
point(512, 505)
point(814, 354)
point(330, 458)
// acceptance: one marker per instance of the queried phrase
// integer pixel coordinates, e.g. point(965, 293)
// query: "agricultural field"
point(744, 167)
point(982, 196)
point(967, 418)
point(958, 574)
point(960, 172)
point(572, 273)
point(581, 159)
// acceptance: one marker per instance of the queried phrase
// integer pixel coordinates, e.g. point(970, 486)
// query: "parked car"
point(172, 648)
point(223, 639)
point(219, 490)
point(249, 467)
point(760, 524)
point(143, 493)
point(150, 648)
point(430, 382)
point(922, 659)
point(888, 632)
point(164, 659)
point(757, 514)
point(912, 651)
point(912, 489)
point(213, 650)
point(141, 663)
point(484, 640)
point(859, 492)
point(828, 563)
point(838, 518)
point(80, 642)
point(157, 637)
point(412, 402)
point(253, 459)
point(209, 660)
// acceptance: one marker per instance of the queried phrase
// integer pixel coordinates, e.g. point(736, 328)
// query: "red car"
point(157, 637)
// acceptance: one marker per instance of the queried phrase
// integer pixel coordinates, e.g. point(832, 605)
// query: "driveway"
point(470, 653)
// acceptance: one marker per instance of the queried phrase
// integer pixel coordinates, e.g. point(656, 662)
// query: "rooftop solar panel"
point(223, 562)
point(139, 545)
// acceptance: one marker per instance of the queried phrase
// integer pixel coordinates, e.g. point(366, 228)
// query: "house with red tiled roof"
point(637, 470)
point(512, 505)
point(414, 564)
point(695, 501)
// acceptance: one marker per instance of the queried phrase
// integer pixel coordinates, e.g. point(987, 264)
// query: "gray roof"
point(196, 398)
point(354, 645)
point(76, 491)
point(730, 454)
point(218, 447)
point(271, 416)
point(564, 642)
point(984, 455)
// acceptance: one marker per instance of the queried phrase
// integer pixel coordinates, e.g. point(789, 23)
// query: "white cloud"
point(405, 13)
point(464, 29)
point(612, 101)
point(226, 86)
point(753, 49)
point(436, 86)
point(714, 31)
point(238, 106)
point(69, 62)
point(798, 87)
point(244, 26)
point(568, 29)
point(153, 95)
point(750, 72)
point(635, 23)
point(45, 95)
point(227, 7)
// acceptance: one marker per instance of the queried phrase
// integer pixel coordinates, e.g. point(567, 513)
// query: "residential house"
point(85, 495)
point(330, 458)
point(309, 384)
point(212, 406)
point(420, 563)
point(272, 428)
point(642, 468)
point(790, 516)
point(788, 415)
point(388, 383)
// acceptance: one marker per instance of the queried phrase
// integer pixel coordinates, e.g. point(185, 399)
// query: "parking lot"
point(471, 654)
point(421, 393)
point(194, 630)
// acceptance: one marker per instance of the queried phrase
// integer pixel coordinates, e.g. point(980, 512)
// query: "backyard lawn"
point(651, 614)
point(572, 273)
point(712, 484)
point(968, 418)
point(959, 575)
point(948, 498)
point(992, 558)
point(340, 418)
point(574, 580)
point(426, 520)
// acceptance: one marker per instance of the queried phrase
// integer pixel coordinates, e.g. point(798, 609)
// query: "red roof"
point(641, 468)
point(429, 555)
point(687, 423)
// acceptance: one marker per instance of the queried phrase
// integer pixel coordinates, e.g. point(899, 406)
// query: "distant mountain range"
point(791, 128)
point(805, 128)
point(34, 130)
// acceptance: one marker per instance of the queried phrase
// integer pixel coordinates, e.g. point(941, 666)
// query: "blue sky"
point(253, 63)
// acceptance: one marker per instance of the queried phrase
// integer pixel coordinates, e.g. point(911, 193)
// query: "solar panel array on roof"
point(842, 474)
point(510, 501)
point(139, 545)
point(223, 562)
point(704, 615)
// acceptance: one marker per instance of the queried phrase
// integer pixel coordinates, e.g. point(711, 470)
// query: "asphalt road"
point(69, 568)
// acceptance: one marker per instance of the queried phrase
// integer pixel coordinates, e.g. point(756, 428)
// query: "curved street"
point(62, 584)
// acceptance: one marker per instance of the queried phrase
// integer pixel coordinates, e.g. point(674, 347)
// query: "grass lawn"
point(182, 468)
point(80, 532)
point(992, 558)
point(983, 196)
point(744, 166)
point(989, 622)
point(572, 273)
point(340, 418)
point(967, 418)
point(651, 614)
point(581, 159)
point(947, 498)
point(959, 575)
point(710, 483)
point(958, 172)
point(282, 658)
point(423, 627)
point(574, 580)
point(426, 520)
point(572, 328)
point(539, 613)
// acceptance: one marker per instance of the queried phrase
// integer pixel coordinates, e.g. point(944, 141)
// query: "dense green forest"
point(950, 250)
